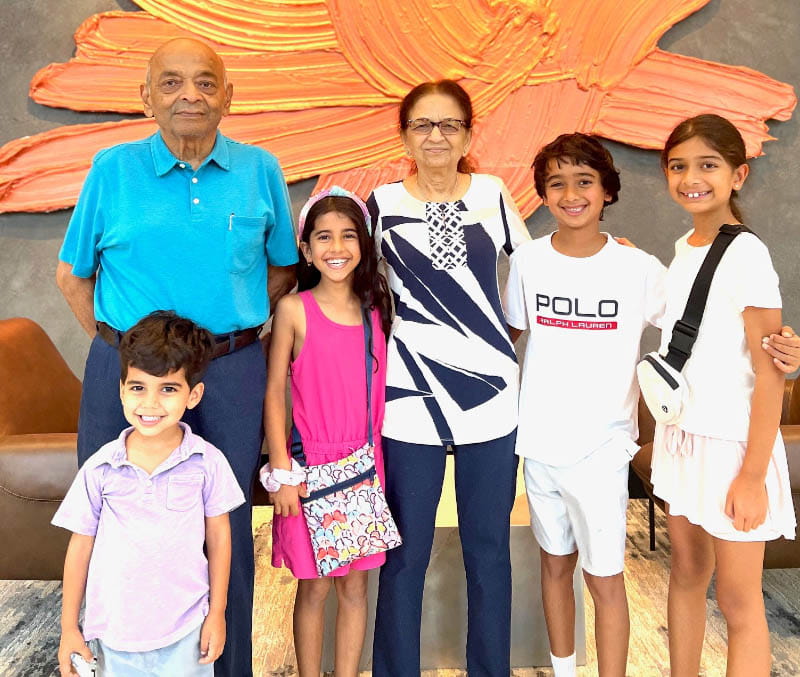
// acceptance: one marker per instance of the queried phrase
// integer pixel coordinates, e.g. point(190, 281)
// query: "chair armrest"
point(38, 467)
point(35, 472)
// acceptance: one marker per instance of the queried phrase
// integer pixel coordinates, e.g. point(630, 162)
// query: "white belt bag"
point(660, 380)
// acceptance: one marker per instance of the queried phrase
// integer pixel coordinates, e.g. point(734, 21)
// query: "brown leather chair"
point(39, 401)
point(779, 554)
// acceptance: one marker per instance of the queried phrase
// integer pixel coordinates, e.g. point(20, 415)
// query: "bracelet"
point(272, 480)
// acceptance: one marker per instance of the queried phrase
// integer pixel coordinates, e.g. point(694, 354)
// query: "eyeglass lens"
point(425, 126)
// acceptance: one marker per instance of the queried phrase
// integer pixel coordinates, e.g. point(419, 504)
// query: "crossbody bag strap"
point(368, 360)
point(684, 333)
point(296, 446)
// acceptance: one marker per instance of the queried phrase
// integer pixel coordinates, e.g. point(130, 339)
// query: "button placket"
point(148, 492)
point(194, 193)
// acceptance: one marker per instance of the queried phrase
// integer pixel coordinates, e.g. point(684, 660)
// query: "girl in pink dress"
point(318, 341)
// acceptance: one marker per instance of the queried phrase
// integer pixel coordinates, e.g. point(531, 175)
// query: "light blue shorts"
point(179, 658)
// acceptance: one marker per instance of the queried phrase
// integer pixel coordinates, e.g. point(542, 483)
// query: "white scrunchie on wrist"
point(273, 480)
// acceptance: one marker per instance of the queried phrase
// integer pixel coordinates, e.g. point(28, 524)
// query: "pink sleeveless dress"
point(329, 406)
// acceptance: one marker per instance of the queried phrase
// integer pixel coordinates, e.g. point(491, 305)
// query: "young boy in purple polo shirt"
point(141, 509)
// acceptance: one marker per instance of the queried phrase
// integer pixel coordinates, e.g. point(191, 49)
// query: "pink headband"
point(333, 191)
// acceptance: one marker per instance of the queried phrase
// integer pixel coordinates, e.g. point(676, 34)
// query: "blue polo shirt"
point(161, 236)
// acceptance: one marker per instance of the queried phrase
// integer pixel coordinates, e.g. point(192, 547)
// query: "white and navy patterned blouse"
point(452, 373)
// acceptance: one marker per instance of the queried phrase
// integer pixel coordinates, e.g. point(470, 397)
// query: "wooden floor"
point(646, 574)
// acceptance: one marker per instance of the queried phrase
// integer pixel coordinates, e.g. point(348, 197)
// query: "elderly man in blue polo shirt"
point(191, 221)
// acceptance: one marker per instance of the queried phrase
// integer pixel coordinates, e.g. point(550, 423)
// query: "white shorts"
point(583, 506)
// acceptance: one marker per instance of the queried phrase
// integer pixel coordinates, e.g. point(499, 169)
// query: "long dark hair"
point(449, 88)
point(369, 284)
point(721, 135)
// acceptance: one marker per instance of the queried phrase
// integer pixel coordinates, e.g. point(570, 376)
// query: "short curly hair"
point(163, 342)
point(580, 149)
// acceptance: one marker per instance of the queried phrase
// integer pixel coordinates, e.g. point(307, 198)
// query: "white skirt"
point(693, 473)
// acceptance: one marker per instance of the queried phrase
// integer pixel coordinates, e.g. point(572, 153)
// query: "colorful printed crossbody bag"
point(346, 509)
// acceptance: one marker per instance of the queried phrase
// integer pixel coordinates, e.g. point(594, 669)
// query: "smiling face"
point(574, 194)
point(153, 405)
point(186, 91)
point(333, 247)
point(701, 181)
point(436, 150)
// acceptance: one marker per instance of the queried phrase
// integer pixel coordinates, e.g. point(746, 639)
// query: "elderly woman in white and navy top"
point(451, 380)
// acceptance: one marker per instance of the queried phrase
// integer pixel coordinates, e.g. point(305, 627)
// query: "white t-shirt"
point(720, 373)
point(586, 317)
point(452, 372)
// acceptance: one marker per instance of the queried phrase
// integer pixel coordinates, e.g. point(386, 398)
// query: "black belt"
point(223, 343)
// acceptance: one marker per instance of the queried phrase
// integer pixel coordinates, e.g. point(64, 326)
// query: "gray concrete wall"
point(761, 35)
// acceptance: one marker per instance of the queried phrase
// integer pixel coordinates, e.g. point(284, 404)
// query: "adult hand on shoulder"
point(746, 503)
point(286, 501)
point(212, 637)
point(71, 642)
point(624, 241)
point(784, 349)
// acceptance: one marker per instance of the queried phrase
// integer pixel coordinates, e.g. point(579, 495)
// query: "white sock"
point(564, 667)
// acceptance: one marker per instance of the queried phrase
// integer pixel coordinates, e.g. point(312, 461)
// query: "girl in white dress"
point(722, 468)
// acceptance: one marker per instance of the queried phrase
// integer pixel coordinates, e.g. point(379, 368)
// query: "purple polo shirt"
point(148, 576)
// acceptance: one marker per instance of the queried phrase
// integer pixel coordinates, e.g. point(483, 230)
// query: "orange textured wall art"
point(317, 83)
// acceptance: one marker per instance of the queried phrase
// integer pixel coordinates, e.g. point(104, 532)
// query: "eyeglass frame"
point(462, 125)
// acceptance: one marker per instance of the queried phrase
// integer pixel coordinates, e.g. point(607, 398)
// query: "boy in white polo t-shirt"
point(586, 299)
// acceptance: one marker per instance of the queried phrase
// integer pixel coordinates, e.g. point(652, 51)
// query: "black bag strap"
point(684, 333)
point(296, 447)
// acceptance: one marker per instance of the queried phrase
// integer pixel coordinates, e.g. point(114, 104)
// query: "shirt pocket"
point(184, 491)
point(246, 242)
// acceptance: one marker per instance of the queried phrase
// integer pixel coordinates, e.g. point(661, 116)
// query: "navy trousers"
point(485, 478)
point(229, 416)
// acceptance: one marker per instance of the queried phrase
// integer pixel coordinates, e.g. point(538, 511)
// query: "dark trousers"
point(485, 477)
point(230, 417)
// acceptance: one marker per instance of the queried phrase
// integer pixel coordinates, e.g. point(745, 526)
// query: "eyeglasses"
point(448, 126)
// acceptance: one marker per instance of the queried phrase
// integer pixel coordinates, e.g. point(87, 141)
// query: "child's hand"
point(286, 501)
point(746, 503)
point(212, 637)
point(784, 349)
point(71, 642)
